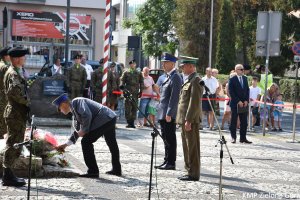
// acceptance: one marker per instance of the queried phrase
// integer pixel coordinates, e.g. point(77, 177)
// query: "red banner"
point(50, 25)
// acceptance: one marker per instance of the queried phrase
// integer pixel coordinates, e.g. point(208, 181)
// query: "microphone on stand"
point(202, 83)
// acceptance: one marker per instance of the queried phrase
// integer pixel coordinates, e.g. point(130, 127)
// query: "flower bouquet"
point(43, 145)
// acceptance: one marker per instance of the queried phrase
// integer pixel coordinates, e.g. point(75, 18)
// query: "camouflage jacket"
point(3, 69)
point(76, 76)
point(133, 81)
point(96, 79)
point(16, 92)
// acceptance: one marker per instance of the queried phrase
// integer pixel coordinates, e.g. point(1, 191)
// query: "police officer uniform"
point(133, 81)
point(168, 105)
point(190, 110)
point(15, 115)
point(4, 64)
point(76, 79)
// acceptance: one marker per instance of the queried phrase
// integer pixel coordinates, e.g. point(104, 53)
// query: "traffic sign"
point(296, 48)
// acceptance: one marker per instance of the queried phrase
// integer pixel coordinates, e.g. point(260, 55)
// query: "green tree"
point(192, 22)
point(153, 23)
point(226, 56)
point(245, 12)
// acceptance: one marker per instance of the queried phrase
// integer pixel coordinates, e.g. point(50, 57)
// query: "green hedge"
point(288, 89)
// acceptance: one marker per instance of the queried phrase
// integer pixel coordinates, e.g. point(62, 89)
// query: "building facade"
point(123, 9)
point(40, 25)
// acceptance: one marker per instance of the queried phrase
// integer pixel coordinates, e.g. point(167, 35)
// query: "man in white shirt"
point(254, 94)
point(88, 68)
point(212, 84)
point(57, 68)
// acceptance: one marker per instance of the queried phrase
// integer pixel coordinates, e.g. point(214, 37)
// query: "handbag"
point(241, 110)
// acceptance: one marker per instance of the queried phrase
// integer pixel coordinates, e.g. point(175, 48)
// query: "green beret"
point(77, 56)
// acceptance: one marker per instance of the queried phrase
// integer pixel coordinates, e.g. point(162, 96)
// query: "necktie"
point(241, 81)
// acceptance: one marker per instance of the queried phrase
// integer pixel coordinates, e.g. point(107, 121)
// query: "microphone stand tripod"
point(222, 142)
point(154, 134)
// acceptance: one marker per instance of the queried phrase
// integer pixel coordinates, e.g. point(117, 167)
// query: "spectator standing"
point(89, 70)
point(254, 95)
point(261, 69)
point(56, 68)
point(239, 93)
point(212, 84)
point(278, 111)
point(145, 98)
point(272, 93)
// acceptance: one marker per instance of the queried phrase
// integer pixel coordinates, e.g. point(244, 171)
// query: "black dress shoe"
point(233, 141)
point(157, 166)
point(246, 142)
point(114, 172)
point(167, 167)
point(90, 175)
point(188, 178)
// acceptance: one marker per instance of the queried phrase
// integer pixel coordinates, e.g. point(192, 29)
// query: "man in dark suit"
point(168, 105)
point(239, 93)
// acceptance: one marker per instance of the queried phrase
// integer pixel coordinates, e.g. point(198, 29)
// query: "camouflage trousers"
point(3, 127)
point(131, 109)
point(16, 129)
point(76, 91)
point(98, 96)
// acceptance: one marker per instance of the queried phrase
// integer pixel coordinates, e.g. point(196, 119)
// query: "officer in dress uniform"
point(94, 120)
point(4, 64)
point(15, 113)
point(76, 78)
point(168, 106)
point(133, 81)
point(188, 116)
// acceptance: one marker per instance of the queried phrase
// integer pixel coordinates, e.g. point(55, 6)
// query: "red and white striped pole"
point(106, 51)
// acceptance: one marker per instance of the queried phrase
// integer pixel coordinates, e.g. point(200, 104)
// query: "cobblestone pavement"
point(267, 169)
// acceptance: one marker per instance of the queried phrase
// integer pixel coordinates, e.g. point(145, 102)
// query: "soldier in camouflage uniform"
point(4, 63)
point(133, 81)
point(76, 78)
point(15, 114)
point(96, 82)
point(112, 85)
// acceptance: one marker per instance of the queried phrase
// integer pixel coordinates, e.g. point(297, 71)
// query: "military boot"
point(132, 124)
point(128, 124)
point(9, 179)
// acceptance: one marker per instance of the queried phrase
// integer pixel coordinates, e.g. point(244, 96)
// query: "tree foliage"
point(226, 55)
point(246, 12)
point(192, 22)
point(153, 23)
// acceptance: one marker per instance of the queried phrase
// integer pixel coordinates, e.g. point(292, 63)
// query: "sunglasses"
point(241, 69)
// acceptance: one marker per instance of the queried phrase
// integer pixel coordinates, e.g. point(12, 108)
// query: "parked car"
point(155, 73)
